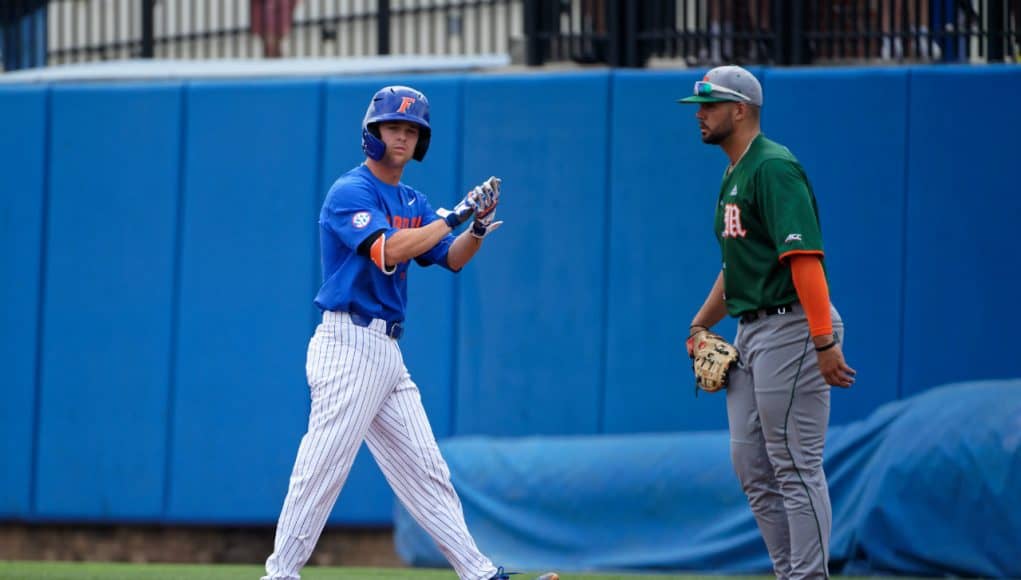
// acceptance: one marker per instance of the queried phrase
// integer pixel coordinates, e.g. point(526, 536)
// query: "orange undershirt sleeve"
point(813, 292)
point(378, 255)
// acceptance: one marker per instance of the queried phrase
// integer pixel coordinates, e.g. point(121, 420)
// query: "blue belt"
point(394, 328)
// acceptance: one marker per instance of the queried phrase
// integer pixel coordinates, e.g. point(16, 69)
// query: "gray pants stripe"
point(823, 546)
point(361, 390)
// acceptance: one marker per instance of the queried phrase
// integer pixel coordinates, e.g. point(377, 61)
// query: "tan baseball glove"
point(712, 357)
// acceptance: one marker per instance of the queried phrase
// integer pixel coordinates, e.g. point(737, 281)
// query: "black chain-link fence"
point(615, 32)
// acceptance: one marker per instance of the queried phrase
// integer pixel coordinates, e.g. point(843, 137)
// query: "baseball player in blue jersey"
point(371, 226)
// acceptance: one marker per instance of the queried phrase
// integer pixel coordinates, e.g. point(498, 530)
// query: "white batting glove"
point(461, 212)
point(486, 198)
point(482, 227)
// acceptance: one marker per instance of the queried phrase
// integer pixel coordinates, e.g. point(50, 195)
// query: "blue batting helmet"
point(395, 103)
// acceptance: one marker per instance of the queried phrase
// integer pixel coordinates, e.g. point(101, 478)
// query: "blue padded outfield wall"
point(158, 250)
point(107, 302)
point(22, 182)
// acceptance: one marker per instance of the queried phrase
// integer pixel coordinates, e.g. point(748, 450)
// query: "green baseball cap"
point(727, 84)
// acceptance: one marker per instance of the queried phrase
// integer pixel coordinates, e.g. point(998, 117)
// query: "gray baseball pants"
point(778, 407)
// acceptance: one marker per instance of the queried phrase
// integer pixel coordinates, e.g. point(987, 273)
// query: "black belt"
point(394, 328)
point(754, 315)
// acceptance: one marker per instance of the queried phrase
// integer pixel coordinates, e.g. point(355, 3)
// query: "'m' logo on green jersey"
point(732, 227)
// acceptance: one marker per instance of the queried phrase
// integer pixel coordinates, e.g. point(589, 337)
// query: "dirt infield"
point(337, 547)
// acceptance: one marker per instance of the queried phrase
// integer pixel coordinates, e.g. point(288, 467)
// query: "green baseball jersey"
point(766, 213)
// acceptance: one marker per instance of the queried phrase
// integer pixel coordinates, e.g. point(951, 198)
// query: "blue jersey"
point(358, 209)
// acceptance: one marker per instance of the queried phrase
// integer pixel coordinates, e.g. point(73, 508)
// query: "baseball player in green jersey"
point(789, 336)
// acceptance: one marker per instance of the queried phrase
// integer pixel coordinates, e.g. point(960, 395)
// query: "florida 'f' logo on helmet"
point(405, 103)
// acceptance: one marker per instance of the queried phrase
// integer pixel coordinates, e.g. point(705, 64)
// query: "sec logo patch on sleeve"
point(361, 219)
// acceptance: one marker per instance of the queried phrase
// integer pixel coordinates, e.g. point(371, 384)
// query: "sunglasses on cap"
point(706, 89)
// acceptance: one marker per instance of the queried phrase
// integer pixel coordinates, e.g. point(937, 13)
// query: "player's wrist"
point(824, 342)
point(457, 216)
point(826, 347)
point(823, 339)
point(478, 230)
point(452, 220)
point(695, 328)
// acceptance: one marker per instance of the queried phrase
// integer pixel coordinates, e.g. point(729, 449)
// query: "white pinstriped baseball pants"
point(361, 390)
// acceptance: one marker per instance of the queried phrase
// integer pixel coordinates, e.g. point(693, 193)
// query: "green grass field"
point(108, 571)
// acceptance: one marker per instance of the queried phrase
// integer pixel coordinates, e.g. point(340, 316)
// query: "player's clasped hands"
point(461, 212)
point(480, 201)
point(485, 197)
